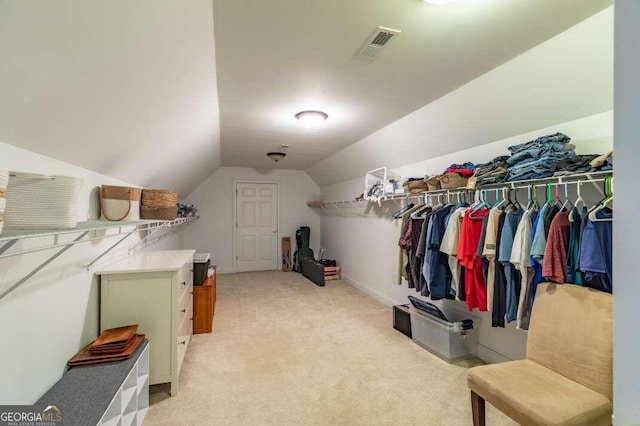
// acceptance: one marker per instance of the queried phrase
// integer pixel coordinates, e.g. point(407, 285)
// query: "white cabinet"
point(153, 289)
point(114, 393)
point(130, 404)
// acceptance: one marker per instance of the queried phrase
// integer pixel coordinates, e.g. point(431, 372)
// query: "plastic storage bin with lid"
point(453, 339)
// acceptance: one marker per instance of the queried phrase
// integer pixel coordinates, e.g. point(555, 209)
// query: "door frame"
point(234, 218)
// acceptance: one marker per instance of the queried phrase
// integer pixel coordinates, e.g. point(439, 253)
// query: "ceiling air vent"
point(379, 39)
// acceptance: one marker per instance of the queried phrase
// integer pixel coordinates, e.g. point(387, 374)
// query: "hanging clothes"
point(500, 287)
point(449, 246)
point(476, 287)
point(513, 276)
point(574, 274)
point(596, 258)
point(403, 259)
point(439, 278)
point(489, 252)
point(421, 252)
point(521, 260)
point(554, 266)
point(413, 238)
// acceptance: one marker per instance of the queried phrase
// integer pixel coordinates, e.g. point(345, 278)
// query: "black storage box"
point(201, 262)
point(402, 319)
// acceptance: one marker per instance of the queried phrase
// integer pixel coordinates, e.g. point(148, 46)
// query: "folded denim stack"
point(495, 171)
point(576, 164)
point(537, 159)
point(464, 170)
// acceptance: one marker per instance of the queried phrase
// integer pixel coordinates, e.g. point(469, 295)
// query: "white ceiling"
point(126, 88)
point(278, 57)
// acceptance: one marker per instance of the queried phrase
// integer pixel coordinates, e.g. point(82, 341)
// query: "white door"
point(256, 226)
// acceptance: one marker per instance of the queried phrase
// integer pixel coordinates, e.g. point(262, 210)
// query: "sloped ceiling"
point(278, 57)
point(565, 78)
point(126, 88)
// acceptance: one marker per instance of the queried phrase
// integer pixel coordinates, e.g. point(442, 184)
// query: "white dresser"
point(155, 290)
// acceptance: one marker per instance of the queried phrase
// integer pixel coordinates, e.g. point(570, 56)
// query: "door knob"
point(274, 231)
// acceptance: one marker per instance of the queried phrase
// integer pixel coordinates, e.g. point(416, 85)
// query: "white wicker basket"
point(4, 179)
point(3, 203)
point(41, 202)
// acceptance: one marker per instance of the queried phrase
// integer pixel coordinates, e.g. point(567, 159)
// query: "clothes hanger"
point(420, 212)
point(515, 202)
point(567, 201)
point(578, 200)
point(400, 212)
point(482, 205)
point(608, 191)
point(532, 193)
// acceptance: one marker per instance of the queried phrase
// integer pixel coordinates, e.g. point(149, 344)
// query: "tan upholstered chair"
point(567, 378)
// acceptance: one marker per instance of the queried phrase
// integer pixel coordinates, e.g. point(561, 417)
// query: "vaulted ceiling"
point(278, 57)
point(141, 90)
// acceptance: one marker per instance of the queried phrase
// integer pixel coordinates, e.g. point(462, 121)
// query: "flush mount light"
point(311, 119)
point(276, 156)
point(440, 1)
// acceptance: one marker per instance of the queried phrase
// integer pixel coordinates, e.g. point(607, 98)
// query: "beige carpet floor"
point(287, 352)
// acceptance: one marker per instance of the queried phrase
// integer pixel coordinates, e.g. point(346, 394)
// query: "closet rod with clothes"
point(492, 254)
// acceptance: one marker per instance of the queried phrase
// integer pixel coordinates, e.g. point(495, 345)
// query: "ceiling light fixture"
point(276, 156)
point(311, 119)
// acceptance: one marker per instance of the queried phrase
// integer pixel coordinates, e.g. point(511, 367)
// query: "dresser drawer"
point(185, 309)
point(185, 276)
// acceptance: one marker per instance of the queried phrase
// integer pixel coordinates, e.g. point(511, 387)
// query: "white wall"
point(214, 198)
point(123, 88)
point(367, 247)
point(565, 78)
point(51, 316)
point(626, 391)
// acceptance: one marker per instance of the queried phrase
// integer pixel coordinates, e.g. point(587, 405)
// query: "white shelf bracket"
point(43, 264)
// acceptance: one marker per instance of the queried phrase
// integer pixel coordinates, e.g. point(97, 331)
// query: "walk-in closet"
point(302, 212)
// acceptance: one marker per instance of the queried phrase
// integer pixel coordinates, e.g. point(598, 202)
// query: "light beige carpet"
point(287, 352)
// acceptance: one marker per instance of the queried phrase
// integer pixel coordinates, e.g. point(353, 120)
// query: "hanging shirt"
point(536, 267)
point(500, 288)
point(476, 287)
point(554, 266)
point(449, 246)
point(480, 248)
point(596, 250)
point(439, 278)
point(402, 253)
point(574, 275)
point(513, 276)
point(489, 252)
point(547, 213)
point(521, 260)
point(412, 240)
point(421, 249)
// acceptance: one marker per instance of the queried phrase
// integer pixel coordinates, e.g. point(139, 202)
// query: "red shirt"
point(475, 284)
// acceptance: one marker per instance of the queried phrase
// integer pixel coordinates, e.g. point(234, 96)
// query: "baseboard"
point(490, 356)
point(369, 292)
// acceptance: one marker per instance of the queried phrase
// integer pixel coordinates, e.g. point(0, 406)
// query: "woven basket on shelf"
point(36, 201)
point(433, 183)
point(452, 181)
point(159, 204)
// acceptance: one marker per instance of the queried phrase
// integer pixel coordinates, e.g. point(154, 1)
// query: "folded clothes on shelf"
point(575, 164)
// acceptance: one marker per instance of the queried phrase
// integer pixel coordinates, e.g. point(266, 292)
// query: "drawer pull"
point(184, 283)
point(183, 311)
point(184, 342)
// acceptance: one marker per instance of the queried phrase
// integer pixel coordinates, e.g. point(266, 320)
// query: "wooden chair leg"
point(477, 408)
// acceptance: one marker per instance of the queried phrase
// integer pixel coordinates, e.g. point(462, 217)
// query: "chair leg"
point(477, 408)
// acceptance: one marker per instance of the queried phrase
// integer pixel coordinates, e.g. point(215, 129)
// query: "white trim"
point(490, 356)
point(385, 300)
point(234, 191)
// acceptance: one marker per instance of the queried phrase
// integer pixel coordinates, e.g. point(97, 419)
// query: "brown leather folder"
point(84, 357)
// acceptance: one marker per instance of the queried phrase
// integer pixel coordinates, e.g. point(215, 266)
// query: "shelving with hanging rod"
point(64, 239)
point(594, 178)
